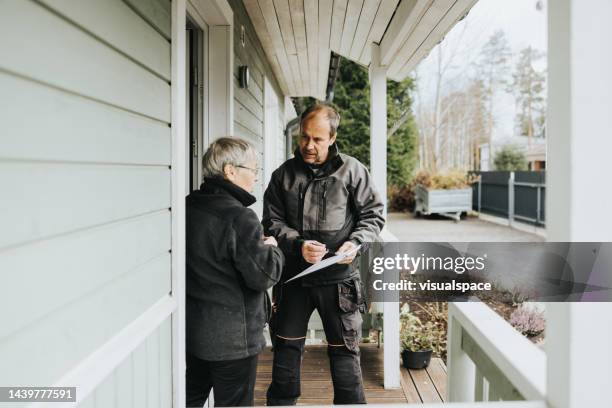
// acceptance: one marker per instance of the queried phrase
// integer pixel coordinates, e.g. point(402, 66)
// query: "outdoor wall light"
point(243, 76)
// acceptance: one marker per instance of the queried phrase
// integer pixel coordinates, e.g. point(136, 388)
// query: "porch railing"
point(490, 361)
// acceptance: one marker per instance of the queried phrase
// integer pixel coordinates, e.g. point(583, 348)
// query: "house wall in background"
point(249, 103)
point(85, 209)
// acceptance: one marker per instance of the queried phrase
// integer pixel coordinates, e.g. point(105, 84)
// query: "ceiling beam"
point(299, 31)
point(325, 21)
point(337, 26)
point(407, 16)
point(311, 17)
point(381, 21)
point(283, 16)
point(351, 19)
point(269, 16)
point(368, 12)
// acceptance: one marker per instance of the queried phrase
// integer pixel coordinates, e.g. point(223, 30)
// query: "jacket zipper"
point(324, 201)
point(302, 196)
point(300, 208)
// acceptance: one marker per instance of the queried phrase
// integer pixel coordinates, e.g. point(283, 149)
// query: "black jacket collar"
point(333, 162)
point(217, 185)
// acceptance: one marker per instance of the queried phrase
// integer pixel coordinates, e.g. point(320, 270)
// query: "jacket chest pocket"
point(333, 198)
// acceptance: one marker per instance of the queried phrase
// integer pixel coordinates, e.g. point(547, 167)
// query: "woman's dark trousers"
point(233, 381)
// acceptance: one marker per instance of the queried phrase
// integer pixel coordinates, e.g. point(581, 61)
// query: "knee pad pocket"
point(351, 330)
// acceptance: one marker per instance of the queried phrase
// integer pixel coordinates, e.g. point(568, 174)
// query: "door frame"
point(199, 103)
point(218, 15)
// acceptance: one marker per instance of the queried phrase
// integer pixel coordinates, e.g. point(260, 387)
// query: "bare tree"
point(492, 68)
point(528, 86)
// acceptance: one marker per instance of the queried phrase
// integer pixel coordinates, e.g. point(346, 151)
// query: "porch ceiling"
point(299, 35)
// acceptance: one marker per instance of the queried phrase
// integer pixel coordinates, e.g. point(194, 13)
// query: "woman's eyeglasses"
point(255, 171)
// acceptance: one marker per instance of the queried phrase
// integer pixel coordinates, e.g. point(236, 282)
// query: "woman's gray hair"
point(226, 150)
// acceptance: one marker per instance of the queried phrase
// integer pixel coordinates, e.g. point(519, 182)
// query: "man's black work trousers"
point(232, 381)
point(339, 307)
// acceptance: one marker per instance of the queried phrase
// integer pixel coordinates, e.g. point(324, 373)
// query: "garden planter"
point(448, 202)
point(416, 359)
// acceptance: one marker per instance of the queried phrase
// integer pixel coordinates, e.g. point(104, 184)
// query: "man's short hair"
point(226, 150)
point(333, 117)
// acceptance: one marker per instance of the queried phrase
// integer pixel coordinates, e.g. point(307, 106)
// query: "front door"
point(195, 54)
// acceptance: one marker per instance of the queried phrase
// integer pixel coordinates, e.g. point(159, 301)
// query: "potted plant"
point(529, 320)
point(448, 194)
point(419, 341)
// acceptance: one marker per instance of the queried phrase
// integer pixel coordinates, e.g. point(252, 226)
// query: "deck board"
point(425, 386)
point(437, 373)
point(417, 386)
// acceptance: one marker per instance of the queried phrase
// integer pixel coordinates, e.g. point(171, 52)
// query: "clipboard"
point(324, 263)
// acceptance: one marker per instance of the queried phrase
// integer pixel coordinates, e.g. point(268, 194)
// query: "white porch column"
point(378, 124)
point(378, 169)
point(579, 125)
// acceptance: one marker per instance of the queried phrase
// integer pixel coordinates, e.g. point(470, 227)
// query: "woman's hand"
point(270, 241)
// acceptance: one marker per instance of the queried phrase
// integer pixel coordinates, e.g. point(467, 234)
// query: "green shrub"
point(510, 158)
point(417, 336)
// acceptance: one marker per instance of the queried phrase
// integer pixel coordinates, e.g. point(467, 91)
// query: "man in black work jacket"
point(318, 203)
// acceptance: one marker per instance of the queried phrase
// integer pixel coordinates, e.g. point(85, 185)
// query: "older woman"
point(230, 264)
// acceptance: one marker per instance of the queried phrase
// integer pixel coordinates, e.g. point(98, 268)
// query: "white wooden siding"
point(59, 340)
point(126, 387)
point(40, 122)
point(106, 253)
point(85, 156)
point(127, 33)
point(62, 55)
point(249, 102)
point(155, 12)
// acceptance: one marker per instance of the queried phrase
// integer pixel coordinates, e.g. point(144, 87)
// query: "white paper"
point(324, 263)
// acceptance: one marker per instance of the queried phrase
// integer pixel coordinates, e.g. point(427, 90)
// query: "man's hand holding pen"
point(313, 251)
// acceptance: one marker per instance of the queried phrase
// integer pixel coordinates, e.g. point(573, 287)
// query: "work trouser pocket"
point(349, 303)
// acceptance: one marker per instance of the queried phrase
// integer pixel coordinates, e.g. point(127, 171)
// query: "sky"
point(523, 25)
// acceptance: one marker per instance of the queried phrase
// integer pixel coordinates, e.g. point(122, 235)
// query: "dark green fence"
point(515, 195)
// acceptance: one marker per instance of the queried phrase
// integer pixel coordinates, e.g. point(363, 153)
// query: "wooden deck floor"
point(418, 386)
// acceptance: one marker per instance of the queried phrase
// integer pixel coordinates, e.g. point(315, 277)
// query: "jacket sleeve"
point(275, 218)
point(369, 209)
point(260, 265)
